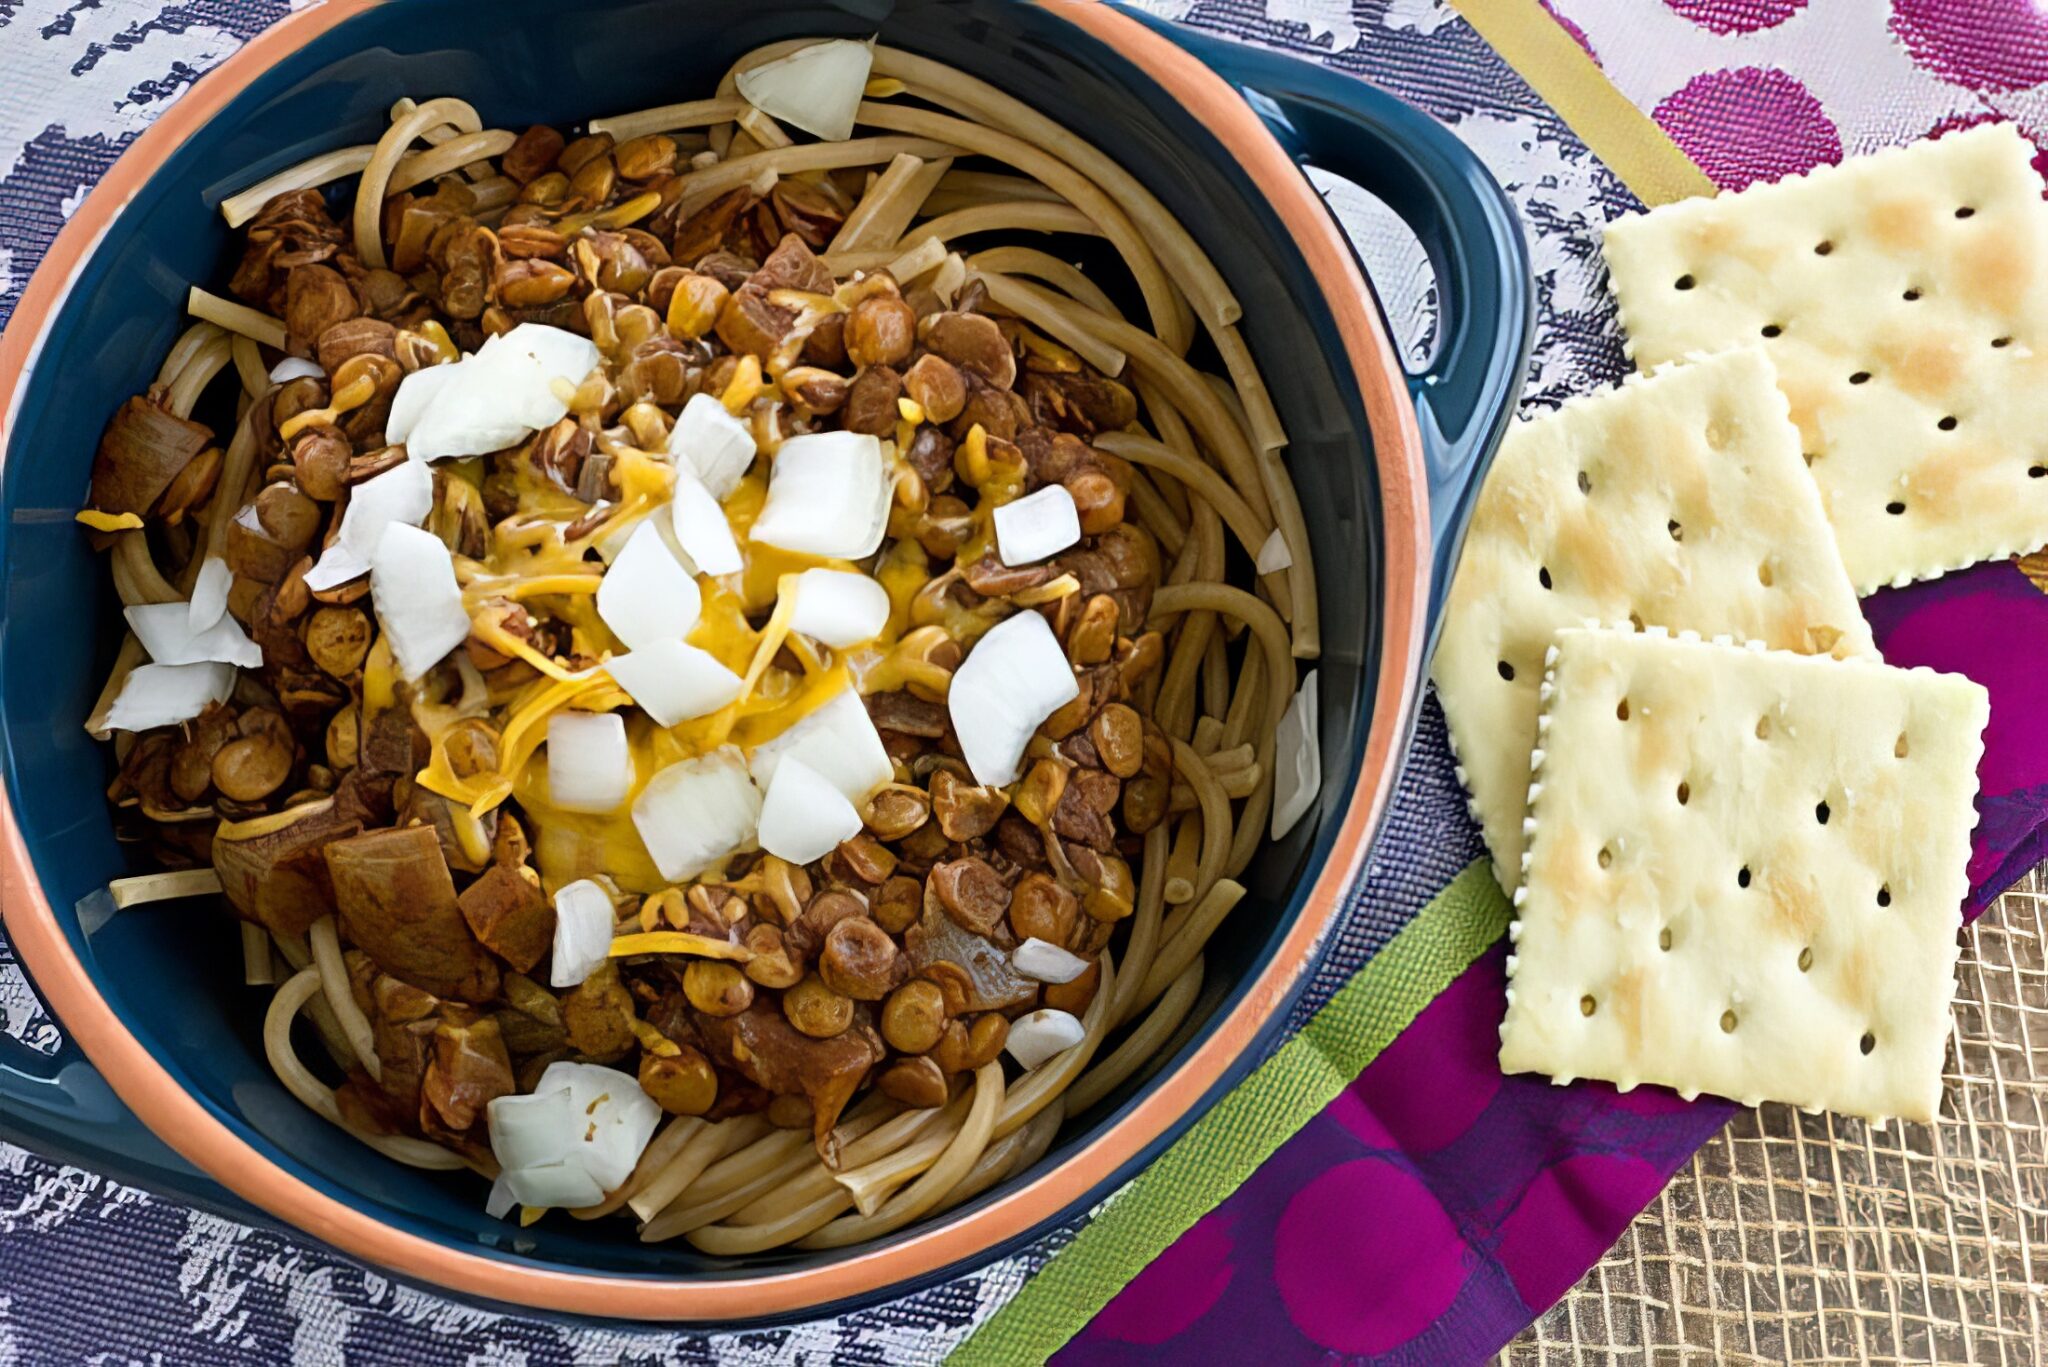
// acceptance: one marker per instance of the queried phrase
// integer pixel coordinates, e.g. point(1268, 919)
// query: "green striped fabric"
point(1223, 1148)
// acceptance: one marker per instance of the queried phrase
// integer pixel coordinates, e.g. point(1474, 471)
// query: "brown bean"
point(1073, 997)
point(895, 812)
point(683, 1085)
point(1094, 634)
point(338, 639)
point(973, 342)
point(898, 904)
point(190, 486)
point(918, 1083)
point(717, 988)
point(694, 305)
point(860, 960)
point(914, 1016)
point(955, 984)
point(472, 747)
point(251, 769)
point(531, 283)
point(1115, 894)
point(594, 181)
point(822, 912)
point(870, 860)
point(971, 892)
point(816, 1009)
point(1040, 793)
point(936, 385)
point(344, 737)
point(814, 391)
point(986, 1038)
point(316, 298)
point(880, 331)
point(1145, 801)
point(522, 241)
point(644, 158)
point(321, 455)
point(871, 402)
point(531, 153)
point(965, 811)
point(1040, 909)
point(772, 965)
point(584, 150)
point(952, 1051)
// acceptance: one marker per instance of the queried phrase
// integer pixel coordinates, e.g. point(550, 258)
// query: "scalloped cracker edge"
point(1676, 498)
point(1745, 873)
point(1903, 297)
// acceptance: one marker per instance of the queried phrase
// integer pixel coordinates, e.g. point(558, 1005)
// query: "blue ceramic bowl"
point(172, 1091)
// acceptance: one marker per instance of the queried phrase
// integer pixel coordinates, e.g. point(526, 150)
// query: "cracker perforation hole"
point(2036, 471)
point(1763, 728)
point(1728, 1023)
point(1585, 482)
point(1884, 895)
point(1684, 793)
point(1823, 248)
point(1806, 959)
point(1635, 620)
point(1860, 377)
point(1684, 282)
point(1621, 710)
point(1899, 746)
point(1910, 295)
point(1895, 508)
point(1742, 878)
point(1772, 330)
point(1677, 531)
point(1587, 1006)
point(1543, 575)
point(1947, 424)
point(1507, 671)
point(1965, 211)
point(1763, 574)
point(1606, 856)
point(1867, 1043)
point(1664, 939)
point(2001, 341)
point(1820, 812)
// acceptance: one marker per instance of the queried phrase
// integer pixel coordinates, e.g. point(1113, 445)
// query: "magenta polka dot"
point(1578, 34)
point(1419, 1096)
point(1982, 44)
point(1737, 16)
point(1175, 1289)
point(1365, 1259)
point(1566, 1219)
point(1749, 124)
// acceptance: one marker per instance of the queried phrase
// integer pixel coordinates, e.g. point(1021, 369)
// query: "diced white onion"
point(1012, 680)
point(402, 494)
point(1043, 1034)
point(827, 495)
point(590, 768)
point(1031, 528)
point(803, 816)
point(695, 813)
point(1045, 962)
point(488, 401)
point(575, 1137)
point(839, 608)
point(164, 695)
point(419, 606)
point(701, 529)
point(673, 681)
point(165, 630)
point(296, 368)
point(816, 88)
point(210, 592)
point(1297, 758)
point(646, 596)
point(583, 931)
point(839, 741)
point(1274, 555)
point(499, 1203)
point(711, 441)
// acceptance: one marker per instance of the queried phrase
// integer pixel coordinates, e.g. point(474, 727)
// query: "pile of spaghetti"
point(706, 695)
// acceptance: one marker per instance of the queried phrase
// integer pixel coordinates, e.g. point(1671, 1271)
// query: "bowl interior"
point(172, 971)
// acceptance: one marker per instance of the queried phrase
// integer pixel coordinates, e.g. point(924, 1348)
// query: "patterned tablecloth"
point(91, 1271)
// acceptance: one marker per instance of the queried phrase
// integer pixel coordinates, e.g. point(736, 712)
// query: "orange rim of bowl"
point(183, 1122)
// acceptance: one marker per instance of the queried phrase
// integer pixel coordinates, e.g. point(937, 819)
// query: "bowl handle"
point(58, 1105)
point(1451, 202)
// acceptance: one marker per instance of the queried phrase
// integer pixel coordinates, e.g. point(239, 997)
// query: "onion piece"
point(590, 767)
point(646, 596)
point(816, 88)
point(1043, 1035)
point(296, 368)
point(419, 606)
point(404, 493)
point(828, 495)
point(1297, 758)
point(164, 695)
point(526, 1130)
point(1045, 962)
point(693, 814)
point(417, 392)
point(1274, 555)
point(711, 441)
point(1037, 526)
point(839, 741)
point(576, 1136)
point(839, 607)
point(804, 817)
point(498, 1204)
point(614, 1117)
point(583, 932)
point(561, 1184)
point(489, 400)
point(210, 592)
point(165, 630)
point(1015, 677)
point(673, 681)
point(701, 529)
